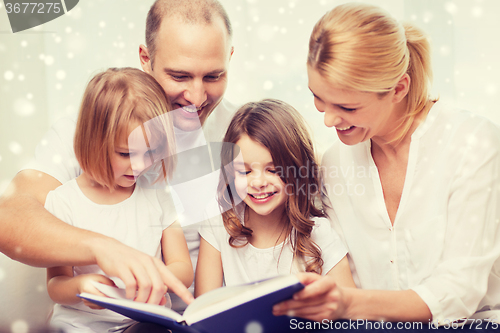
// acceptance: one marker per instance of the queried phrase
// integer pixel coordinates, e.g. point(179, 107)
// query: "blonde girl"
point(123, 130)
point(271, 200)
point(423, 235)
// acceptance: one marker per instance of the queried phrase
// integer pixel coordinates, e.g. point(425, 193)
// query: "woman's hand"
point(320, 299)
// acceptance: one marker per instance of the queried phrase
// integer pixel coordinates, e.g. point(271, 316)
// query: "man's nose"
point(196, 93)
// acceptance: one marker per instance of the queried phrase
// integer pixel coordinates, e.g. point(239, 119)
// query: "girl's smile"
point(256, 180)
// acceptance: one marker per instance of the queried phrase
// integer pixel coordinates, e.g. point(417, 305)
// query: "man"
point(188, 52)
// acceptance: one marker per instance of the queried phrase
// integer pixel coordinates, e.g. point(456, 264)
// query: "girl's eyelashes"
point(243, 173)
point(124, 154)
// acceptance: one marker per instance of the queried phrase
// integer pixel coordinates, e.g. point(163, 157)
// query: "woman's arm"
point(322, 299)
point(209, 274)
point(176, 253)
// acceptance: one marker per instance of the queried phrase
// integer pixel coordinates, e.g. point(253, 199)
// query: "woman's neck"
point(268, 230)
point(389, 146)
point(101, 194)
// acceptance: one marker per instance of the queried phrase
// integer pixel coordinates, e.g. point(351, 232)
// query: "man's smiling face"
point(191, 63)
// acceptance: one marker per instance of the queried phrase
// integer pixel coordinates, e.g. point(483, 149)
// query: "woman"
point(413, 184)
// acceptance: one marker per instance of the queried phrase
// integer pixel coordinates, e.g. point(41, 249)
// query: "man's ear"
point(402, 88)
point(232, 51)
point(145, 59)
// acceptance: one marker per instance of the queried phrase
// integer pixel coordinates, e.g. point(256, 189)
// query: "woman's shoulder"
point(461, 127)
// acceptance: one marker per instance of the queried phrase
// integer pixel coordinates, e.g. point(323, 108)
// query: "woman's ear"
point(402, 88)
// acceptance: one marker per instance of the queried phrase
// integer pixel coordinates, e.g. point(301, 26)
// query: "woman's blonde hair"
point(281, 129)
point(361, 47)
point(112, 101)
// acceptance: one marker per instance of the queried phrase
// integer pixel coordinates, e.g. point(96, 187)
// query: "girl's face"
point(132, 156)
point(357, 116)
point(256, 180)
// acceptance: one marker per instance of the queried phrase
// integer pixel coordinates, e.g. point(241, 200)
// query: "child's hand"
point(85, 286)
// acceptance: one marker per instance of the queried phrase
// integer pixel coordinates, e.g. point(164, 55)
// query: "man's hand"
point(140, 273)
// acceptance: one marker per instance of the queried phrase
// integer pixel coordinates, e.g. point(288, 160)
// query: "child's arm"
point(63, 287)
point(341, 274)
point(209, 272)
point(176, 253)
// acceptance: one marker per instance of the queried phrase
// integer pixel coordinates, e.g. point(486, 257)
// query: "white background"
point(43, 72)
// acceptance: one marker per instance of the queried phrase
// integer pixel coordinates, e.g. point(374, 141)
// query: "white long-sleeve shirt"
point(445, 241)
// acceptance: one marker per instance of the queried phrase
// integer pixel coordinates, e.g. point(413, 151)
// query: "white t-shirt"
point(446, 237)
point(249, 264)
point(55, 156)
point(138, 222)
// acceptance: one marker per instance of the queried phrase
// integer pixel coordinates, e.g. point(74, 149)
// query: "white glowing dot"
point(322, 2)
point(256, 19)
point(19, 326)
point(58, 86)
point(15, 148)
point(254, 327)
point(279, 59)
point(268, 85)
point(41, 56)
point(301, 21)
point(61, 75)
point(491, 89)
point(24, 43)
point(261, 57)
point(291, 4)
point(249, 28)
point(239, 8)
point(102, 24)
point(283, 30)
point(57, 159)
point(444, 50)
point(450, 22)
point(20, 77)
point(58, 39)
point(281, 10)
point(1, 268)
point(477, 12)
point(451, 8)
point(121, 45)
point(68, 30)
point(40, 288)
point(29, 96)
point(413, 17)
point(131, 25)
point(447, 80)
point(24, 108)
point(298, 88)
point(70, 55)
point(49, 60)
point(44, 142)
point(8, 75)
point(428, 17)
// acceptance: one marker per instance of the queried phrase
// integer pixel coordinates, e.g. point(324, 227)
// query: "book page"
point(221, 299)
point(126, 303)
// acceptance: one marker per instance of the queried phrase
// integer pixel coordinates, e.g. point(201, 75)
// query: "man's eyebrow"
point(176, 71)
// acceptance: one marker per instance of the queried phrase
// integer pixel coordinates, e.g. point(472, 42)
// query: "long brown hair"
point(281, 129)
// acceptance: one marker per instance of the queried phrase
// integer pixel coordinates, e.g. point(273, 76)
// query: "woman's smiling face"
point(357, 116)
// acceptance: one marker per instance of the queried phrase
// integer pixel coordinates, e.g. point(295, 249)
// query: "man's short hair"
point(189, 11)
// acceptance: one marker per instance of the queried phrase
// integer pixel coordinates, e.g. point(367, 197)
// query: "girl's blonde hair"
point(112, 100)
point(281, 129)
point(360, 47)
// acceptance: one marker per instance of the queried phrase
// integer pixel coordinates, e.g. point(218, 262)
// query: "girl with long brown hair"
point(272, 203)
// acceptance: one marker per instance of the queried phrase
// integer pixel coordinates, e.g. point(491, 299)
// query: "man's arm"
point(31, 235)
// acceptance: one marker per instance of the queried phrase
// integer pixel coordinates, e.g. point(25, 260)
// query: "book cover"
point(244, 308)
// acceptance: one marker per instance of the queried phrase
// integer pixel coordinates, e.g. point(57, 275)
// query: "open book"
point(243, 308)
